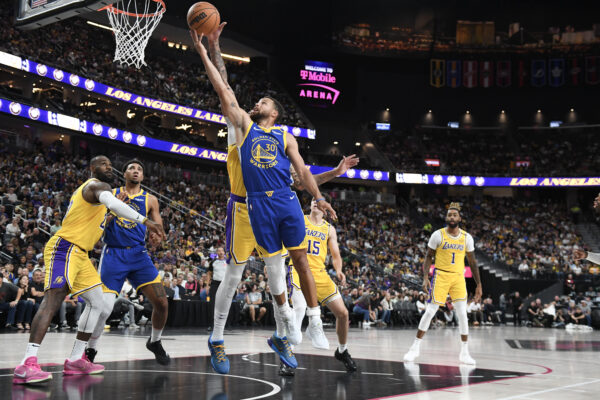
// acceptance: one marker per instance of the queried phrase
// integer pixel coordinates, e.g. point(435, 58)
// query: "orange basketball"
point(203, 17)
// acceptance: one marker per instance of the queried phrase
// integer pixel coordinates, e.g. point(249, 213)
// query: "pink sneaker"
point(83, 366)
point(30, 372)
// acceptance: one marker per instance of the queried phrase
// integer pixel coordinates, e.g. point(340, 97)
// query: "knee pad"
point(428, 315)
point(276, 272)
point(461, 314)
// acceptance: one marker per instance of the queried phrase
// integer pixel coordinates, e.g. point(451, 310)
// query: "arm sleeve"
point(470, 243)
point(119, 208)
point(435, 240)
point(593, 257)
point(231, 138)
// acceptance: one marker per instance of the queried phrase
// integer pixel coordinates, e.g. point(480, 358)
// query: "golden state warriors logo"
point(127, 223)
point(264, 151)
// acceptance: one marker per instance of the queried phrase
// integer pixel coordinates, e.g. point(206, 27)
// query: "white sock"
point(464, 346)
point(31, 351)
point(417, 342)
point(78, 350)
point(93, 342)
point(342, 347)
point(155, 335)
point(314, 314)
point(281, 310)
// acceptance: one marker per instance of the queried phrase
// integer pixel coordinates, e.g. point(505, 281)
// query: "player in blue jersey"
point(124, 256)
point(266, 153)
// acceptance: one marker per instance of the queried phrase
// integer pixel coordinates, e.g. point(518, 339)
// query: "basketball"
point(203, 17)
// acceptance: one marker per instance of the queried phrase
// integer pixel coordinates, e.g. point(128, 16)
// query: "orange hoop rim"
point(115, 10)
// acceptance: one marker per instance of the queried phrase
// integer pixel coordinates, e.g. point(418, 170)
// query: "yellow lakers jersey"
point(83, 223)
point(316, 237)
point(234, 170)
point(450, 254)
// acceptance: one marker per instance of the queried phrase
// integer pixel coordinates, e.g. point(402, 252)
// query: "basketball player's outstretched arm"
point(215, 51)
point(475, 271)
point(586, 255)
point(343, 166)
point(101, 192)
point(336, 258)
point(229, 104)
point(154, 214)
point(306, 178)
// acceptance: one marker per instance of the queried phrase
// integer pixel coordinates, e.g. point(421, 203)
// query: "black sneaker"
point(91, 354)
point(161, 355)
point(284, 370)
point(346, 359)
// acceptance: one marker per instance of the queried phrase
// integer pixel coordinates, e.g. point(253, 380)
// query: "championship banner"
point(575, 71)
point(592, 77)
point(486, 74)
point(470, 74)
point(140, 141)
point(438, 69)
point(121, 95)
point(453, 73)
point(556, 72)
point(503, 74)
point(522, 73)
point(538, 73)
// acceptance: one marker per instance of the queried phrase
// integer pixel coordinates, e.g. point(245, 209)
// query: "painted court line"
point(521, 396)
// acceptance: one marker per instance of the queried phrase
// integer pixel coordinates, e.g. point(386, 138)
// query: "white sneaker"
point(293, 334)
point(316, 334)
point(465, 358)
point(412, 354)
point(366, 324)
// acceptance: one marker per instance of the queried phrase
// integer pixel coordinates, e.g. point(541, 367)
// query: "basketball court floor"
point(512, 363)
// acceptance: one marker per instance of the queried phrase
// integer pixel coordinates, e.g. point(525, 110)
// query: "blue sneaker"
point(218, 358)
point(281, 346)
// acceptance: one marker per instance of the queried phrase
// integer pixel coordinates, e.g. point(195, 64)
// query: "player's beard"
point(452, 224)
point(257, 117)
point(105, 177)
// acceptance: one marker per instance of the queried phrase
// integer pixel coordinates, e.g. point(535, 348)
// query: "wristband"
point(319, 199)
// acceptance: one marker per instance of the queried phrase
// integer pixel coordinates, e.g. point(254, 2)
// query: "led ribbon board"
point(90, 85)
point(99, 130)
point(458, 180)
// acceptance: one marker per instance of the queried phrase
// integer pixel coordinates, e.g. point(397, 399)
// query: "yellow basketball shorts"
point(327, 290)
point(67, 264)
point(447, 283)
point(239, 237)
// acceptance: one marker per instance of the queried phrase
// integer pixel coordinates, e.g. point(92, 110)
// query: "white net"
point(133, 23)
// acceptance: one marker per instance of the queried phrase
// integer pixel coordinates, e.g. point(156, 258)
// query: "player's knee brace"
point(276, 272)
point(461, 314)
point(95, 307)
point(430, 311)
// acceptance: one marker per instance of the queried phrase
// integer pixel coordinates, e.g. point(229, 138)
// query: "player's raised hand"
point(122, 196)
point(324, 206)
point(346, 163)
point(156, 229)
point(198, 42)
point(579, 254)
point(214, 35)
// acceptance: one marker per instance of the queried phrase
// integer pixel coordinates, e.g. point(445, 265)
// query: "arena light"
point(236, 58)
point(336, 142)
point(539, 111)
point(572, 110)
point(108, 28)
point(357, 144)
point(184, 127)
point(221, 133)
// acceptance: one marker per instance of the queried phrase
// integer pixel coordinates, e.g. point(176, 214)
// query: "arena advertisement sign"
point(482, 181)
point(128, 97)
point(99, 130)
point(318, 84)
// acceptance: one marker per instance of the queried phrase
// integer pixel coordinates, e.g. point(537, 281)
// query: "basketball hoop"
point(133, 25)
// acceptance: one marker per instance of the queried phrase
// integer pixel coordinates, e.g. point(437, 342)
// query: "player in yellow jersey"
point(69, 271)
point(449, 245)
point(320, 235)
point(240, 239)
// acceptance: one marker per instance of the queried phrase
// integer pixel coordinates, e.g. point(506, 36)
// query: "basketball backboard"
point(32, 14)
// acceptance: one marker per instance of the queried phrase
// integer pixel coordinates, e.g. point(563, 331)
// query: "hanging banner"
point(503, 74)
point(437, 75)
point(453, 73)
point(486, 74)
point(556, 72)
point(592, 77)
point(538, 73)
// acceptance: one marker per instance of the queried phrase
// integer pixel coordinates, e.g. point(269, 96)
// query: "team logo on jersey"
point(58, 280)
point(453, 246)
point(264, 151)
point(269, 193)
point(127, 223)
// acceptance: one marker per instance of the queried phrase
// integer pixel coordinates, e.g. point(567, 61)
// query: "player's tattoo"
point(233, 104)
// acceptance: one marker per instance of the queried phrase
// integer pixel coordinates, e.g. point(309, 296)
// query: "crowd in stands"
point(173, 78)
point(382, 249)
point(485, 154)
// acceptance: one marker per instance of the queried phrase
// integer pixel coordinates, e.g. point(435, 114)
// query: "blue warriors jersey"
point(265, 166)
point(121, 232)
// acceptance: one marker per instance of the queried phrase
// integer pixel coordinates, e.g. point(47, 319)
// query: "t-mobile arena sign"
point(317, 83)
